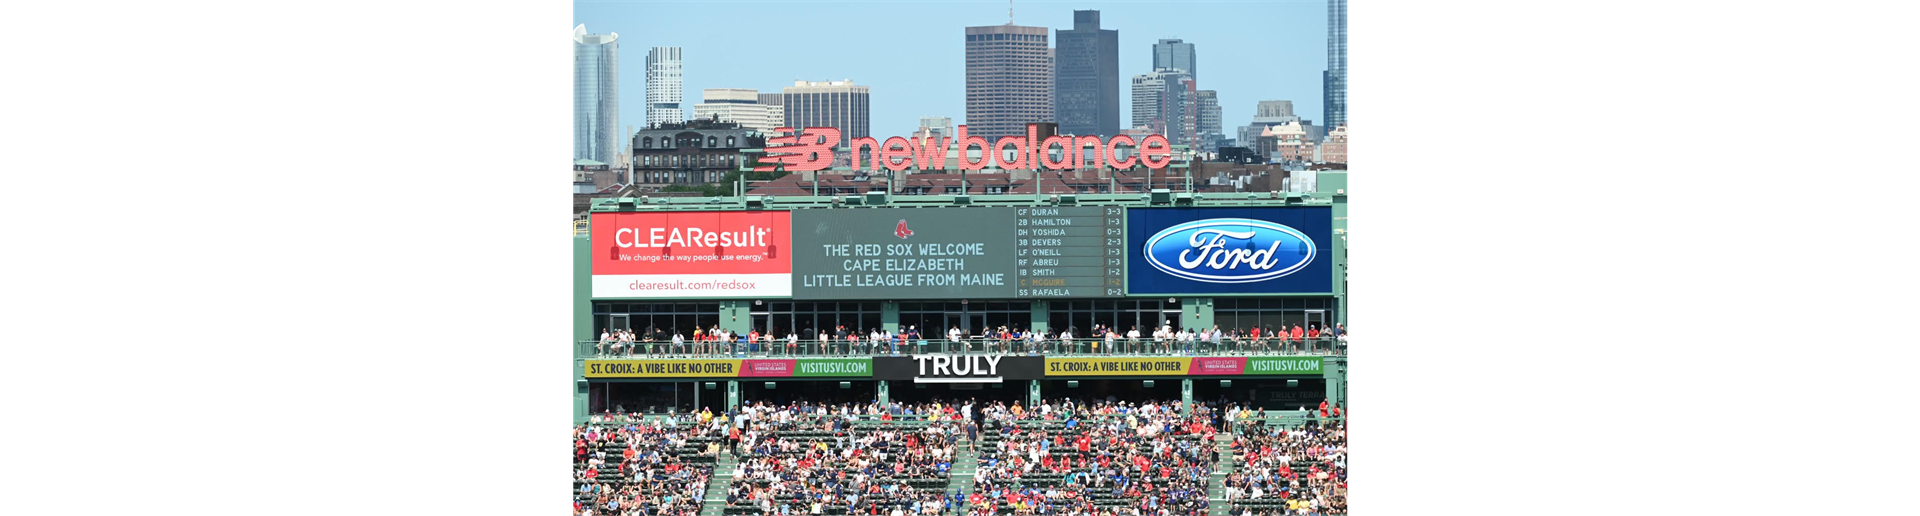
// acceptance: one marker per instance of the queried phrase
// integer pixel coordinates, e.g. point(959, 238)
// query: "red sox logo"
point(800, 151)
point(900, 230)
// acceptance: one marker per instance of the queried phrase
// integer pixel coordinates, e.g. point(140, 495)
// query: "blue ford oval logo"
point(1229, 250)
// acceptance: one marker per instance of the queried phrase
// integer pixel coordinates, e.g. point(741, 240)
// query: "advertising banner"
point(726, 368)
point(904, 253)
point(1230, 250)
point(862, 367)
point(677, 255)
point(958, 368)
point(662, 368)
point(1118, 366)
point(1176, 366)
point(1284, 365)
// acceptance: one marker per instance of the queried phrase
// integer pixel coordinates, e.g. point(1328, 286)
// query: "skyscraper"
point(740, 106)
point(1174, 54)
point(1161, 104)
point(596, 95)
point(1086, 78)
point(837, 104)
point(1208, 128)
point(664, 86)
point(1009, 80)
point(1334, 80)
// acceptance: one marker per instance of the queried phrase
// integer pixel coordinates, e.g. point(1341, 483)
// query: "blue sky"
point(1248, 51)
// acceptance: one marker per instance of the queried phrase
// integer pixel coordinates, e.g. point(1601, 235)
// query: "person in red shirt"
point(1323, 407)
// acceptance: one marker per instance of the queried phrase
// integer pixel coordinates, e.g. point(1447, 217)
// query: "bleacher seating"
point(667, 468)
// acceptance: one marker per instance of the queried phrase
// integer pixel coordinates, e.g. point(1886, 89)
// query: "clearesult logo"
point(1229, 250)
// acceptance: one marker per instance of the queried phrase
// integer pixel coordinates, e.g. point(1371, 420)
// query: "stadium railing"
point(972, 345)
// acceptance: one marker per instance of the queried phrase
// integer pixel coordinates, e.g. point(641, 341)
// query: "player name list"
point(1071, 251)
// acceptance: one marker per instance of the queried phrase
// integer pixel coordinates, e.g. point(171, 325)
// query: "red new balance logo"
point(803, 151)
point(900, 230)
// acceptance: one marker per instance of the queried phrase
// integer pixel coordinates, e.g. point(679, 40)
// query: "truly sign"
point(811, 149)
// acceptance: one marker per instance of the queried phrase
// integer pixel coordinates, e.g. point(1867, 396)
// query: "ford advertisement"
point(1230, 250)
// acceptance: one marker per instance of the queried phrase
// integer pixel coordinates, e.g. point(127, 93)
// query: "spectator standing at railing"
point(605, 339)
point(793, 341)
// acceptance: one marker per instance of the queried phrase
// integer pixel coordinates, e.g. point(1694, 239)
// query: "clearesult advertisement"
point(693, 254)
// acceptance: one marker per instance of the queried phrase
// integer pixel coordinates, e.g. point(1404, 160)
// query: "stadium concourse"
point(969, 457)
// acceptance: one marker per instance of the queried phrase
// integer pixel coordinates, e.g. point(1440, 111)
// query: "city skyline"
point(925, 76)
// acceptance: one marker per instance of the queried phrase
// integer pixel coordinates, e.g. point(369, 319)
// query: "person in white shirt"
point(953, 335)
point(605, 338)
point(793, 340)
point(679, 344)
point(1109, 341)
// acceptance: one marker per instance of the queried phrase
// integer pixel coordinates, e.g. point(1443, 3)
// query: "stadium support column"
point(1040, 316)
point(733, 394)
point(1033, 393)
point(880, 387)
point(890, 317)
point(1186, 396)
point(736, 316)
point(1334, 370)
point(1196, 313)
point(580, 396)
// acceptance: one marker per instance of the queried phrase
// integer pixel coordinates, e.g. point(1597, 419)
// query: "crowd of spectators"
point(1299, 470)
point(1109, 458)
point(1003, 340)
point(1057, 458)
point(806, 459)
point(627, 468)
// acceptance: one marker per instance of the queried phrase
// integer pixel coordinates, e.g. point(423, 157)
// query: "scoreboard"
point(1070, 251)
point(960, 253)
